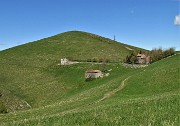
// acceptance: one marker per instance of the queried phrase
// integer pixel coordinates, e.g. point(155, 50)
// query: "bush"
point(101, 60)
point(89, 60)
point(107, 60)
point(131, 58)
point(95, 60)
point(2, 108)
point(158, 54)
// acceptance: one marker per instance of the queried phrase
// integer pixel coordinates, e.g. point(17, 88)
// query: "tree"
point(127, 60)
point(158, 54)
point(171, 51)
point(133, 59)
point(140, 52)
point(95, 60)
point(2, 108)
point(89, 60)
point(100, 60)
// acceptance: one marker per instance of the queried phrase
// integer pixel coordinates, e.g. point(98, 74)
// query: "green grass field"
point(60, 95)
point(30, 71)
point(130, 106)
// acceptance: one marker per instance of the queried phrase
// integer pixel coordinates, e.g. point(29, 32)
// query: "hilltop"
point(75, 44)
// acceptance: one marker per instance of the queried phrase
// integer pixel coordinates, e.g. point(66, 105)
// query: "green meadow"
point(43, 93)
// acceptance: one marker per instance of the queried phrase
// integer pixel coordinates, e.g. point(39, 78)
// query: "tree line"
point(158, 53)
point(155, 55)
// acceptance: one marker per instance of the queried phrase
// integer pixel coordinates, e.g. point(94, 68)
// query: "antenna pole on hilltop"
point(114, 38)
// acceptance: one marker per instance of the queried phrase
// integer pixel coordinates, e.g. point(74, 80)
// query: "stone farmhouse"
point(143, 59)
point(93, 74)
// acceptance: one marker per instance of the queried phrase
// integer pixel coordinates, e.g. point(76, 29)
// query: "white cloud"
point(177, 20)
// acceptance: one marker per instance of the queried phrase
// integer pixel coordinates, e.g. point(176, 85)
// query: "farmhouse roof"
point(141, 55)
point(93, 71)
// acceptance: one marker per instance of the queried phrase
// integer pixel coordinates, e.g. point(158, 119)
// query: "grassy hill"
point(74, 44)
point(60, 95)
point(29, 71)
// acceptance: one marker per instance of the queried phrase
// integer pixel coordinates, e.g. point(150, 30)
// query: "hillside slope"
point(30, 71)
point(74, 44)
point(160, 77)
point(150, 97)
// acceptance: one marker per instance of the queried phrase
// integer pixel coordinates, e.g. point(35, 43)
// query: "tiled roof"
point(141, 55)
point(93, 71)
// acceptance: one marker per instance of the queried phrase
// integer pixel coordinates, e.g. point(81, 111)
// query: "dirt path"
point(91, 105)
point(111, 93)
point(106, 96)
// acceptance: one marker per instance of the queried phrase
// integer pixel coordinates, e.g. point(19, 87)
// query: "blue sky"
point(142, 23)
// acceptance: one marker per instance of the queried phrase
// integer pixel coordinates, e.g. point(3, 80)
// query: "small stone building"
point(64, 61)
point(143, 59)
point(93, 74)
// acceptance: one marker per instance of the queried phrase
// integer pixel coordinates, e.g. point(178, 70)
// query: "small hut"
point(141, 58)
point(93, 74)
point(64, 61)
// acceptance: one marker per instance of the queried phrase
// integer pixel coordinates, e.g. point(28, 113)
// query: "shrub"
point(158, 54)
point(89, 60)
point(101, 60)
point(95, 60)
point(2, 108)
point(130, 58)
point(107, 60)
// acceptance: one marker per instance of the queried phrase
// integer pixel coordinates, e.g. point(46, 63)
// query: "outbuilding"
point(64, 61)
point(141, 59)
point(93, 74)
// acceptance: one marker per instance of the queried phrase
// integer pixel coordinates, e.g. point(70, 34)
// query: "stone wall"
point(133, 65)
